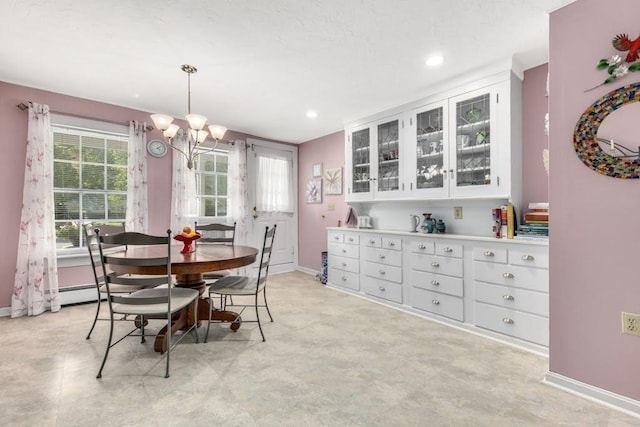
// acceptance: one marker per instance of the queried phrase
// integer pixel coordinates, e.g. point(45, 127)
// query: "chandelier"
point(196, 133)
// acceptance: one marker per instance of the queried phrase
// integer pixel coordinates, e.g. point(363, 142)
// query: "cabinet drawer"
point(383, 289)
point(437, 283)
point(351, 239)
point(437, 264)
point(385, 272)
point(382, 256)
point(513, 298)
point(449, 249)
point(343, 263)
point(536, 279)
point(434, 302)
point(372, 242)
point(489, 254)
point(344, 250)
point(335, 236)
point(529, 257)
point(422, 247)
point(391, 243)
point(517, 324)
point(344, 279)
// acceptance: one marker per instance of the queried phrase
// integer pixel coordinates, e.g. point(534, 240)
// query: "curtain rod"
point(22, 106)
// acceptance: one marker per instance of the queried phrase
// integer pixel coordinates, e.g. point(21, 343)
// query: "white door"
point(272, 181)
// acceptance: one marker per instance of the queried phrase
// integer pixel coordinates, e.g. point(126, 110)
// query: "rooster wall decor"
point(616, 66)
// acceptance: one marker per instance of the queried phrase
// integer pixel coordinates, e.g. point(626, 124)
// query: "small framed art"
point(314, 190)
point(333, 181)
point(317, 170)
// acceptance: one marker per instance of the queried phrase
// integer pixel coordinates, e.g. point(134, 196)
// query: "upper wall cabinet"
point(464, 144)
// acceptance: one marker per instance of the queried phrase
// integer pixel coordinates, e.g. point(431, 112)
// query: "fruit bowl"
point(187, 240)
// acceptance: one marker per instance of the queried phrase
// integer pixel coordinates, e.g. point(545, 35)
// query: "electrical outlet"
point(457, 212)
point(631, 324)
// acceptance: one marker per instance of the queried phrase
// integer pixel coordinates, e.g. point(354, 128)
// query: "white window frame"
point(221, 149)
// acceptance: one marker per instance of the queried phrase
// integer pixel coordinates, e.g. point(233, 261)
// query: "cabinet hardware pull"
point(344, 251)
point(422, 247)
point(435, 283)
point(488, 253)
point(372, 242)
point(448, 250)
point(507, 297)
point(381, 256)
point(391, 244)
point(344, 264)
point(507, 275)
point(527, 257)
point(444, 173)
point(435, 264)
point(381, 288)
point(351, 239)
point(507, 320)
point(382, 273)
point(450, 173)
point(336, 237)
point(344, 279)
point(435, 302)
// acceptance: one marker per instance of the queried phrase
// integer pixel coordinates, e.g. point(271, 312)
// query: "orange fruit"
point(186, 229)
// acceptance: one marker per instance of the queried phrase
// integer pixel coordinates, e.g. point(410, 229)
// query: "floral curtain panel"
point(137, 198)
point(238, 201)
point(35, 287)
point(183, 190)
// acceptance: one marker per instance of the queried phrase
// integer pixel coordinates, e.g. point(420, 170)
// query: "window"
point(211, 183)
point(274, 190)
point(89, 180)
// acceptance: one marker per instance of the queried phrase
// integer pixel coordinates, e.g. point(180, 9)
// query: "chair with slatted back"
point(220, 234)
point(159, 302)
point(246, 286)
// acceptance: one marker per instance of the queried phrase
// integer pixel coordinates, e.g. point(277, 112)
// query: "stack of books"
point(536, 222)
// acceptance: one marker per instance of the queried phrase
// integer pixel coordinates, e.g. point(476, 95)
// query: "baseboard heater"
point(77, 294)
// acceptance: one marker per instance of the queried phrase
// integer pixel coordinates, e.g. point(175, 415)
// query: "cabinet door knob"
point(351, 239)
point(507, 320)
point(344, 279)
point(448, 250)
point(435, 283)
point(507, 275)
point(488, 253)
point(381, 288)
point(392, 244)
point(372, 242)
point(344, 264)
point(527, 257)
point(507, 297)
point(382, 272)
point(344, 251)
point(422, 247)
point(381, 256)
point(336, 237)
point(435, 302)
point(435, 264)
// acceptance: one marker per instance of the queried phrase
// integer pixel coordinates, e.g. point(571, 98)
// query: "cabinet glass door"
point(361, 160)
point(473, 141)
point(430, 149)
point(388, 156)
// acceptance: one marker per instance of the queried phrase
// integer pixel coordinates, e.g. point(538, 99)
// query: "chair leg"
point(95, 319)
point(264, 294)
point(106, 353)
point(206, 337)
point(142, 322)
point(258, 317)
point(166, 375)
point(195, 320)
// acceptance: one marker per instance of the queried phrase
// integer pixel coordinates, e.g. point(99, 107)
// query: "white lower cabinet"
point(475, 282)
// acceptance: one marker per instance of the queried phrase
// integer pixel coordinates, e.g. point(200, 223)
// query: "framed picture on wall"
point(333, 181)
point(317, 170)
point(314, 190)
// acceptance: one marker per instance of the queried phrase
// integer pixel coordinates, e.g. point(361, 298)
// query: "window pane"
point(66, 147)
point(209, 185)
point(116, 178)
point(221, 203)
point(222, 163)
point(67, 235)
point(222, 185)
point(207, 162)
point(67, 206)
point(92, 150)
point(93, 177)
point(117, 206)
point(209, 207)
point(93, 206)
point(117, 152)
point(65, 175)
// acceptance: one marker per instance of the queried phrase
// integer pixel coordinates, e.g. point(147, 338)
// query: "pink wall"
point(534, 88)
point(314, 218)
point(595, 228)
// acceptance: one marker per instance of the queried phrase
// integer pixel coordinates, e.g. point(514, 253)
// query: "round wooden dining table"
point(188, 269)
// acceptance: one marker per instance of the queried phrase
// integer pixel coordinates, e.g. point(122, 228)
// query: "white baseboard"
point(5, 311)
point(612, 400)
point(308, 271)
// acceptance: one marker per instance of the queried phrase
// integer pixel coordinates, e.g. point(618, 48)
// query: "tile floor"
point(330, 360)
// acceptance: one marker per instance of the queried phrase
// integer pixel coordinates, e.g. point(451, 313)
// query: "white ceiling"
point(263, 64)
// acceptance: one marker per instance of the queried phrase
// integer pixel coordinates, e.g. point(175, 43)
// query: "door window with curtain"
point(274, 187)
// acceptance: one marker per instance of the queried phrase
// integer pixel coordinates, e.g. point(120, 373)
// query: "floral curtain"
point(238, 201)
point(137, 205)
point(35, 287)
point(183, 190)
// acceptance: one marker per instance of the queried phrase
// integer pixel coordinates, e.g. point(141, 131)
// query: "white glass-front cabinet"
point(374, 165)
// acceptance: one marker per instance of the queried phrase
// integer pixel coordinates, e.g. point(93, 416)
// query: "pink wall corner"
point(534, 94)
point(594, 226)
point(314, 218)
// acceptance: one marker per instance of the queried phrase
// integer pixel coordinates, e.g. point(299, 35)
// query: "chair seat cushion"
point(233, 285)
point(180, 298)
point(216, 274)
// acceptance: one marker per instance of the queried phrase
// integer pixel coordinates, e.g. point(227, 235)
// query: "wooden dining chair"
point(232, 286)
point(218, 234)
point(154, 303)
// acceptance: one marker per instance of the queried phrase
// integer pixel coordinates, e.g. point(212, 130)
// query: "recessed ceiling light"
point(312, 114)
point(434, 60)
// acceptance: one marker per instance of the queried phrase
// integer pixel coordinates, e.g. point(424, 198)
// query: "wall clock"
point(157, 148)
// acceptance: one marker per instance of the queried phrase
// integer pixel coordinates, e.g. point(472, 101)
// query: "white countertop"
point(539, 242)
